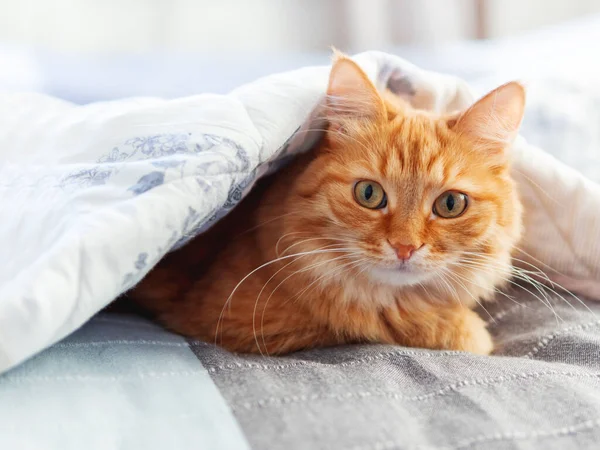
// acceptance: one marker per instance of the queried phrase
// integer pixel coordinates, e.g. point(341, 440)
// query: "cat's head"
point(411, 195)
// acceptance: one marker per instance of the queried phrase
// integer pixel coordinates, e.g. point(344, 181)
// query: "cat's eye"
point(370, 194)
point(450, 204)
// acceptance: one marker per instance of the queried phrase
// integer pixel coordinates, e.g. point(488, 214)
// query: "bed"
point(123, 382)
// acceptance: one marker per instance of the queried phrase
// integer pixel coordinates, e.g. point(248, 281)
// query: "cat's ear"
point(350, 93)
point(493, 122)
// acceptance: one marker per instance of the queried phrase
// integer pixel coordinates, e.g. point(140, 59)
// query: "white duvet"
point(91, 197)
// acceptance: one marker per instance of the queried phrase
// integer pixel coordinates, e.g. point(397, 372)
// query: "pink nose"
point(404, 252)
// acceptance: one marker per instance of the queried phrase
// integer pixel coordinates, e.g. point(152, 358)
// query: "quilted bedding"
point(99, 193)
point(123, 383)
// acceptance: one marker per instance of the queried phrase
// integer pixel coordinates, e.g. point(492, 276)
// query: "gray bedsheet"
point(541, 389)
point(123, 383)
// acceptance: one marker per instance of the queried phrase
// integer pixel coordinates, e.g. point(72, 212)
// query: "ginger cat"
point(389, 231)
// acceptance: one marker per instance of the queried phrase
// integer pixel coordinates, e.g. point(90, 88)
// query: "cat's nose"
point(403, 251)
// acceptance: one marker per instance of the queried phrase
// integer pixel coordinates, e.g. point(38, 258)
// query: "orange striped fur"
point(338, 279)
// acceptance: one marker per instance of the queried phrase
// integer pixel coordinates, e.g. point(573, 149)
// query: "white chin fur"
point(398, 277)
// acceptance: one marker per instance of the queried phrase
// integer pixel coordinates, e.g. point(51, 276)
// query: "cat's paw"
point(473, 336)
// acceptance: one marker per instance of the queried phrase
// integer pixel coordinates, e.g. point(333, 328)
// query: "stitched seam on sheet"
point(454, 387)
point(516, 435)
point(496, 437)
point(366, 359)
point(256, 366)
point(543, 342)
point(88, 378)
point(502, 314)
point(127, 342)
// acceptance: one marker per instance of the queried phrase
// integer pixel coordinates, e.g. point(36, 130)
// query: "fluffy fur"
point(301, 264)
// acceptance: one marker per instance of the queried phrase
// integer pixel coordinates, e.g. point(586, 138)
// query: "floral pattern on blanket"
point(167, 157)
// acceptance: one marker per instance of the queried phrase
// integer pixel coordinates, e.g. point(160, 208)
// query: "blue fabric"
point(118, 383)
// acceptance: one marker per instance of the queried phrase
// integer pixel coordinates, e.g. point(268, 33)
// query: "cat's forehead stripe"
point(408, 155)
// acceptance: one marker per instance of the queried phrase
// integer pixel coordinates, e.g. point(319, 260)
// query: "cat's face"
point(413, 196)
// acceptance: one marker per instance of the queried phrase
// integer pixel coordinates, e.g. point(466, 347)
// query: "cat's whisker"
point(536, 285)
point(257, 300)
point(513, 272)
point(327, 275)
point(284, 236)
point(488, 267)
point(461, 284)
point(471, 281)
point(455, 277)
point(488, 263)
point(273, 261)
point(523, 274)
point(525, 277)
point(508, 271)
point(304, 269)
point(260, 293)
point(567, 291)
point(538, 272)
point(484, 257)
point(321, 263)
point(451, 289)
point(277, 253)
point(536, 260)
point(344, 241)
point(445, 278)
point(552, 283)
point(494, 289)
point(508, 279)
point(302, 241)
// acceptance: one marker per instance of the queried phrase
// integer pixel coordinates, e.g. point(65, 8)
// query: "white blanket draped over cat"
point(93, 196)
